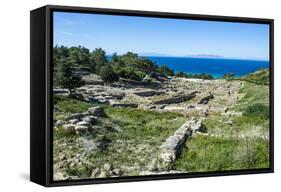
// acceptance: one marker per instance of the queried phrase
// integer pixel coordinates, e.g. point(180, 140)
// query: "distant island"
point(205, 56)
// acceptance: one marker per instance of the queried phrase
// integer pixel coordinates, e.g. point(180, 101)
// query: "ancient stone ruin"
point(173, 145)
point(176, 99)
point(81, 123)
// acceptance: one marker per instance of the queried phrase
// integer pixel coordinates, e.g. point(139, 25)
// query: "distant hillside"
point(258, 77)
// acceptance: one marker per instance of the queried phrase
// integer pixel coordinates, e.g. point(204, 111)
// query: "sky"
point(170, 37)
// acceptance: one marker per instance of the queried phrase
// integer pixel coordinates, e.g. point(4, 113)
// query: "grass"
point(218, 154)
point(130, 138)
point(67, 105)
point(130, 149)
point(143, 124)
point(252, 94)
point(233, 142)
point(257, 111)
point(259, 77)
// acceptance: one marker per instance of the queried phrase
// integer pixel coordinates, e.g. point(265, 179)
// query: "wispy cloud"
point(66, 33)
point(72, 22)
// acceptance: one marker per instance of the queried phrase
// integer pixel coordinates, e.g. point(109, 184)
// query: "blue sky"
point(172, 37)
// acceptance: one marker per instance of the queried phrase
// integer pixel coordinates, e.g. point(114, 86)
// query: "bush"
point(65, 78)
point(196, 76)
point(165, 70)
point(107, 74)
point(261, 77)
point(257, 110)
point(130, 73)
point(180, 74)
point(228, 76)
point(199, 76)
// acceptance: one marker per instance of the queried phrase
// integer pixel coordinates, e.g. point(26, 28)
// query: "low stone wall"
point(176, 99)
point(173, 145)
point(149, 93)
point(206, 99)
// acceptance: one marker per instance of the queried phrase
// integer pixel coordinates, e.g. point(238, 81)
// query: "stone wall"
point(173, 145)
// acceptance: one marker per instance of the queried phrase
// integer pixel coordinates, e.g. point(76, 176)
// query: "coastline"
point(216, 67)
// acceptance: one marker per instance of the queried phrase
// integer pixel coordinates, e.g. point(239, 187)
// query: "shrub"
point(165, 70)
point(199, 76)
point(259, 77)
point(107, 74)
point(257, 110)
point(180, 74)
point(65, 78)
point(130, 73)
point(228, 76)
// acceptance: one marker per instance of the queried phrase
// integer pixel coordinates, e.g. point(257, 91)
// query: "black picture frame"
point(41, 38)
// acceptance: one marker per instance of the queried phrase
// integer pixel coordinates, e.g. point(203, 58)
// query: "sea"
point(216, 67)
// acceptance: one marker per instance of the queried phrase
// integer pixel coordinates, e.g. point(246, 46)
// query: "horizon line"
point(155, 54)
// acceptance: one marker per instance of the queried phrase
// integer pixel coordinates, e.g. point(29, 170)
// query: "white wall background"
point(14, 95)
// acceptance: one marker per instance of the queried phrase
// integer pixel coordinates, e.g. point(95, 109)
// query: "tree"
point(65, 78)
point(165, 70)
point(114, 58)
point(145, 65)
point(180, 74)
point(79, 55)
point(98, 59)
point(107, 74)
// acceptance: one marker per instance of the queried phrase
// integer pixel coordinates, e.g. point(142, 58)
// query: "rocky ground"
point(190, 97)
point(107, 139)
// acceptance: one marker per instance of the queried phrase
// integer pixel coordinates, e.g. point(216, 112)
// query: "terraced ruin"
point(175, 125)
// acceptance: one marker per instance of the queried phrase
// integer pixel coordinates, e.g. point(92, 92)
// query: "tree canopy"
point(65, 78)
point(129, 65)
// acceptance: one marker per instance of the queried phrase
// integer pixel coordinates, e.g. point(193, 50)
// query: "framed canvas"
point(123, 95)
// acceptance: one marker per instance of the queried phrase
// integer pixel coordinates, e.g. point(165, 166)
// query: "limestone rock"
point(77, 116)
point(176, 99)
point(118, 95)
point(73, 121)
point(83, 123)
point(148, 93)
point(90, 119)
point(173, 145)
point(81, 129)
point(59, 123)
point(116, 172)
point(107, 167)
point(132, 105)
point(97, 111)
point(70, 128)
point(103, 174)
point(206, 99)
point(95, 172)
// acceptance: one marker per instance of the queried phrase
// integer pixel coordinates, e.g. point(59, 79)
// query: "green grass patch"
point(140, 124)
point(252, 94)
point(59, 132)
point(257, 111)
point(233, 142)
point(259, 77)
point(140, 133)
point(206, 154)
point(68, 105)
